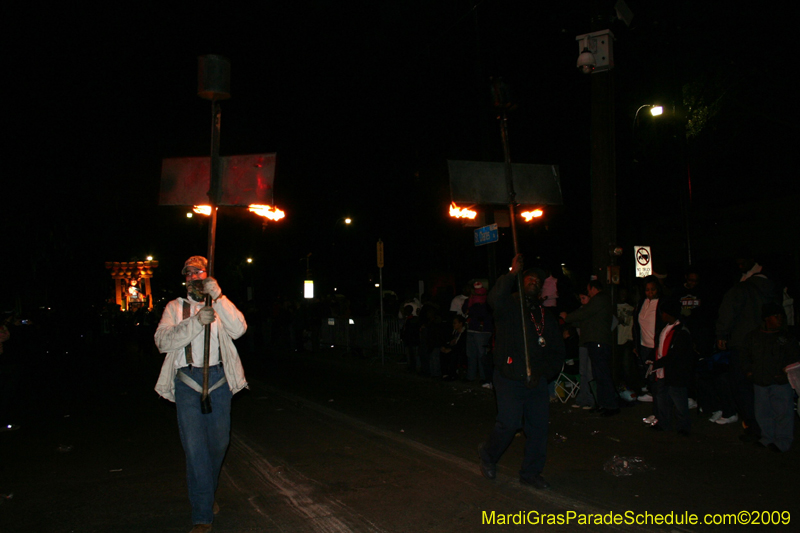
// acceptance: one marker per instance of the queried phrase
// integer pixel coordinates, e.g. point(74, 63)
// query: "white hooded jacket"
point(174, 333)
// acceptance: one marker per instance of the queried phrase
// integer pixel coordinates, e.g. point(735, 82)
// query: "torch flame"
point(530, 215)
point(202, 209)
point(272, 213)
point(459, 212)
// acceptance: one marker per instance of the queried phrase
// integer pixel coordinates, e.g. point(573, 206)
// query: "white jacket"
point(174, 333)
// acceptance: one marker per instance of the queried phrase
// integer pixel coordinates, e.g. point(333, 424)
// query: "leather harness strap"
point(187, 310)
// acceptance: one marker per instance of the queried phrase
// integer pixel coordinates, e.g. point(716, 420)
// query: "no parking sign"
point(644, 261)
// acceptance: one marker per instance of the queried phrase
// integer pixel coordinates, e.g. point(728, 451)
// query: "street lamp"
point(655, 110)
point(347, 221)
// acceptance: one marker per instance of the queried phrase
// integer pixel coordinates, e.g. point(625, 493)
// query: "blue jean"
point(518, 406)
point(600, 355)
point(774, 407)
point(477, 346)
point(204, 437)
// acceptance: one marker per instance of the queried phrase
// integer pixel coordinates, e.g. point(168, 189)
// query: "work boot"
point(489, 470)
point(536, 481)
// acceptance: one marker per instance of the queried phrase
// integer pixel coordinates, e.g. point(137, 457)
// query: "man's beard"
point(193, 288)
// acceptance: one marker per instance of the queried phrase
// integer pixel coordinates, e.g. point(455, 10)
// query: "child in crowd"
point(673, 366)
point(766, 352)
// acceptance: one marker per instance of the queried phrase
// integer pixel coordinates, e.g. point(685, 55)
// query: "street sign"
point(486, 235)
point(484, 183)
point(644, 261)
point(380, 253)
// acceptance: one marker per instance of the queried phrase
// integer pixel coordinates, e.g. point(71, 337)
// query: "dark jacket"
point(764, 356)
point(740, 311)
point(680, 361)
point(594, 319)
point(509, 353)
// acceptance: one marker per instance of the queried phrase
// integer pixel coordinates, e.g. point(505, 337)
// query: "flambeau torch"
point(239, 180)
point(213, 83)
point(501, 102)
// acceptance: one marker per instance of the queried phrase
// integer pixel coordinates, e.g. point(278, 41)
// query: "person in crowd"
point(479, 332)
point(765, 353)
point(431, 337)
point(457, 303)
point(454, 349)
point(409, 334)
point(695, 315)
point(594, 323)
point(740, 313)
point(673, 367)
point(647, 326)
point(180, 335)
point(625, 365)
point(550, 291)
point(585, 398)
point(520, 379)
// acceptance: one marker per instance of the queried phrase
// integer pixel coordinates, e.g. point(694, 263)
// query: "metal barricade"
point(361, 335)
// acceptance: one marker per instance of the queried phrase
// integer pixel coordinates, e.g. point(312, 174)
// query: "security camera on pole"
point(596, 57)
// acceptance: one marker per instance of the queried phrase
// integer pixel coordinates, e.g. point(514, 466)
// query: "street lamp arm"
point(636, 115)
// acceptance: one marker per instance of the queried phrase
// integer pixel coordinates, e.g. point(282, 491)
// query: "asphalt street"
point(330, 442)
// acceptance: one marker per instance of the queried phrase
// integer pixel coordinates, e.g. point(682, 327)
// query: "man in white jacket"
point(180, 335)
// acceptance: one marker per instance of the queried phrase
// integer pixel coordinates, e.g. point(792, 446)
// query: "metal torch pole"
point(511, 208)
point(213, 197)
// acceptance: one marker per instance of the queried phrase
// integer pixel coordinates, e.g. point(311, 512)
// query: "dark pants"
point(673, 401)
point(741, 390)
point(448, 363)
point(518, 406)
point(600, 356)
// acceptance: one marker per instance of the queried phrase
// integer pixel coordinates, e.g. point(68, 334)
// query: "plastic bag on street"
point(625, 466)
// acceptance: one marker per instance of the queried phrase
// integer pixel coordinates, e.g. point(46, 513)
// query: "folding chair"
point(568, 381)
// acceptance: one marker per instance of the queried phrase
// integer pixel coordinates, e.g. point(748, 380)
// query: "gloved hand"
point(206, 316)
point(211, 287)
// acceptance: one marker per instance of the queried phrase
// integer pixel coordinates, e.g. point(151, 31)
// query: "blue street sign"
point(486, 235)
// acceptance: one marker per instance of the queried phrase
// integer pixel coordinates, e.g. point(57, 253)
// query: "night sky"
point(364, 103)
